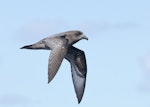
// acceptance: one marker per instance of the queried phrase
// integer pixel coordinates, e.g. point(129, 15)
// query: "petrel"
point(61, 47)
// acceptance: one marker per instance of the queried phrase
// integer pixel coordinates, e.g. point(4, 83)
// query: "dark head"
point(75, 36)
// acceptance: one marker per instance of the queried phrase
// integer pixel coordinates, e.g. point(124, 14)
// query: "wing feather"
point(56, 57)
point(77, 60)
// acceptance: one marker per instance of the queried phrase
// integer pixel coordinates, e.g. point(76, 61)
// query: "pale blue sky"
point(117, 52)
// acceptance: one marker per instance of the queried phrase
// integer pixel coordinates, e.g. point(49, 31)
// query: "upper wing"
point(56, 57)
point(79, 69)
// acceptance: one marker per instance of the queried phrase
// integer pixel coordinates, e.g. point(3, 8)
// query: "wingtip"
point(79, 100)
point(49, 81)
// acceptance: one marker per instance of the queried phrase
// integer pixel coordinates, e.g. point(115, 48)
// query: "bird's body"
point(61, 46)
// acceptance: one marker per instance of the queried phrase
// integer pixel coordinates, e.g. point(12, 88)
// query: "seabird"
point(61, 47)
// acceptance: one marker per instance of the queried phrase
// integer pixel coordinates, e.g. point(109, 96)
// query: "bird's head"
point(75, 36)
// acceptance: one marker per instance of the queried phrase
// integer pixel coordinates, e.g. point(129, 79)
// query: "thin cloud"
point(42, 28)
point(146, 65)
point(102, 26)
point(15, 100)
point(145, 83)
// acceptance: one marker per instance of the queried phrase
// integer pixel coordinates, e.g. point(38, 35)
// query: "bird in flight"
point(61, 46)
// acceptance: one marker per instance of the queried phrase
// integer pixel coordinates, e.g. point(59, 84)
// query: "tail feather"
point(37, 45)
point(27, 47)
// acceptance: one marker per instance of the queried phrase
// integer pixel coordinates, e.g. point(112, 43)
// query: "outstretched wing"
point(79, 69)
point(57, 55)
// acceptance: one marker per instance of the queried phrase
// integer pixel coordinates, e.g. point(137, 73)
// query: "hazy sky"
point(118, 52)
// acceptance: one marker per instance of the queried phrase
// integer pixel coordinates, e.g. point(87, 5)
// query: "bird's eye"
point(78, 33)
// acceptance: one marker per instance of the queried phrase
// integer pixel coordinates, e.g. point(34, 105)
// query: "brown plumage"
point(61, 47)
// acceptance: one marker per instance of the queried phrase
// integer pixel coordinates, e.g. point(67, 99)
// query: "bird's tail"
point(38, 45)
